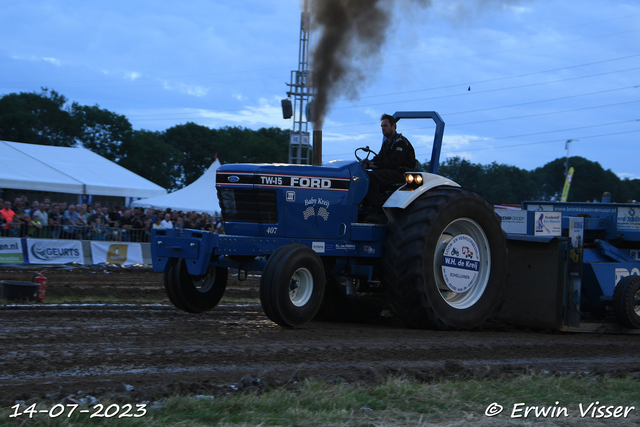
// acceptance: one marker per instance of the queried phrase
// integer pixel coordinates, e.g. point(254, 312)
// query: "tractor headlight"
point(414, 180)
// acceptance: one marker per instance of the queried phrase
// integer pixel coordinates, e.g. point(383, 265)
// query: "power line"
point(545, 142)
point(553, 70)
point(530, 134)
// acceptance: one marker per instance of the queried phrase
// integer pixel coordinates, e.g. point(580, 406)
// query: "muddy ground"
point(53, 350)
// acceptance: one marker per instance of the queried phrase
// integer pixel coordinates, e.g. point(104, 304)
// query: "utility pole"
point(301, 91)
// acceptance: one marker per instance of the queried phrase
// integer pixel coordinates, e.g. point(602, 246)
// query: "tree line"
point(172, 158)
point(503, 184)
point(179, 155)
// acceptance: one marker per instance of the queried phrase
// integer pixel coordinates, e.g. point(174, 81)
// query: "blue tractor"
point(439, 261)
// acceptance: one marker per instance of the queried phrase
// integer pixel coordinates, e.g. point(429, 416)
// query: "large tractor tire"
point(194, 294)
point(445, 261)
point(626, 302)
point(292, 285)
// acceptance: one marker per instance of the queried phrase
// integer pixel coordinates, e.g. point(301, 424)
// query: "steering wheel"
point(365, 162)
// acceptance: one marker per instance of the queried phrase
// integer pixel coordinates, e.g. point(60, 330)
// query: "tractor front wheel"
point(292, 285)
point(194, 294)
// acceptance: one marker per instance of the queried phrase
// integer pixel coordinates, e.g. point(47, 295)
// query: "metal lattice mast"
point(299, 142)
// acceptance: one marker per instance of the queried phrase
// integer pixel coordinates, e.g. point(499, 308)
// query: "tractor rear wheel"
point(445, 261)
point(194, 294)
point(626, 302)
point(292, 285)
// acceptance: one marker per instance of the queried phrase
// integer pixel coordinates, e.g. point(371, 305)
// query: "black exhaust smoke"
point(352, 33)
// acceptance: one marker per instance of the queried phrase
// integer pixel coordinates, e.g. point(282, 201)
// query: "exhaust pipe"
point(317, 148)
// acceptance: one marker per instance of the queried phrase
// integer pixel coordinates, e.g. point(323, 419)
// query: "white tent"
point(68, 170)
point(199, 196)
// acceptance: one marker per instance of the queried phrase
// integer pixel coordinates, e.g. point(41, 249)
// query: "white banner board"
point(11, 251)
point(41, 251)
point(116, 253)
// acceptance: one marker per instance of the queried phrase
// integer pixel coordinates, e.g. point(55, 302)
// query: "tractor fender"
point(404, 196)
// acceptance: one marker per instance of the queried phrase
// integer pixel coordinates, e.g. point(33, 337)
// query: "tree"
point(507, 184)
point(589, 181)
point(199, 144)
point(147, 155)
point(195, 147)
point(37, 118)
point(102, 131)
point(462, 171)
point(241, 145)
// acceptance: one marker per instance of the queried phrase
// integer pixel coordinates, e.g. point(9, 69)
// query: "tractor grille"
point(248, 205)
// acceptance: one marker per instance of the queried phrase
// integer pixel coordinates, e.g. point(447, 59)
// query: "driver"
point(395, 157)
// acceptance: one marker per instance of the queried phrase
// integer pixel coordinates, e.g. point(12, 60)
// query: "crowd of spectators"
point(61, 221)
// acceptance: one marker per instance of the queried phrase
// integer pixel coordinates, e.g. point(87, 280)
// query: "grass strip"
point(396, 402)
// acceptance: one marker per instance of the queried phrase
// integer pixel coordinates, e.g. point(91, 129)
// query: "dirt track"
point(53, 350)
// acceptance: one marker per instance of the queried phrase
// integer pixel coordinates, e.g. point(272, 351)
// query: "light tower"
point(301, 91)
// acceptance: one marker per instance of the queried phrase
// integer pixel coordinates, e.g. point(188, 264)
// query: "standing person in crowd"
point(17, 226)
point(157, 223)
point(7, 215)
point(166, 222)
point(35, 226)
point(186, 223)
point(43, 218)
point(98, 214)
point(69, 221)
point(99, 229)
point(17, 205)
point(34, 208)
point(151, 214)
point(55, 222)
point(86, 213)
point(81, 223)
point(126, 224)
point(179, 223)
point(138, 227)
point(114, 218)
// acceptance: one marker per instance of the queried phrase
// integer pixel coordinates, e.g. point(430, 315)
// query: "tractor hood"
point(333, 176)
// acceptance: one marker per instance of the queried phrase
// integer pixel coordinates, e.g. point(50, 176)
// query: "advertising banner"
point(629, 218)
point(116, 253)
point(40, 251)
point(11, 251)
point(548, 224)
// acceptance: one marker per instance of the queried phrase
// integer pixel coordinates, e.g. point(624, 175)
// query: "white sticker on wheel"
point(460, 263)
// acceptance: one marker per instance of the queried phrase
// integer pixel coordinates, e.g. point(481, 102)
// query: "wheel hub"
point(462, 263)
point(301, 287)
point(205, 283)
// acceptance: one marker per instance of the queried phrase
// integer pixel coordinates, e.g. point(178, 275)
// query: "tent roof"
point(199, 196)
point(68, 170)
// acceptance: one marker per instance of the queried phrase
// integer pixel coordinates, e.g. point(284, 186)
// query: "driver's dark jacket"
point(396, 153)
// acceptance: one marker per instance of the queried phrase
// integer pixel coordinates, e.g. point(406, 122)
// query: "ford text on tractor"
point(439, 261)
